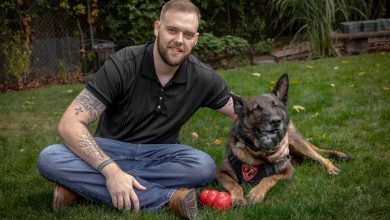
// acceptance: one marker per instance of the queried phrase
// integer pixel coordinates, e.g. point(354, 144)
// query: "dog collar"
point(253, 174)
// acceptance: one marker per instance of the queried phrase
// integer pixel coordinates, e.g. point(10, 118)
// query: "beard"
point(163, 52)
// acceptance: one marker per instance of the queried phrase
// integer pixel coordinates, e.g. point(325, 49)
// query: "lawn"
point(346, 107)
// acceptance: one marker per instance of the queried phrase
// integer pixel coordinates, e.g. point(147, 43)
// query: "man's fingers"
point(114, 201)
point(120, 202)
point(137, 185)
point(134, 199)
point(127, 202)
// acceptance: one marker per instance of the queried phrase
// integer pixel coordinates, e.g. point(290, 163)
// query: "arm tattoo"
point(86, 101)
point(92, 150)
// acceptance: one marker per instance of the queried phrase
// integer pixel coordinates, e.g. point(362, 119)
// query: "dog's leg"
point(337, 155)
point(257, 193)
point(232, 186)
point(302, 147)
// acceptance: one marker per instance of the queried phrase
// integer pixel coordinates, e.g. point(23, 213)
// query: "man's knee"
point(47, 162)
point(205, 169)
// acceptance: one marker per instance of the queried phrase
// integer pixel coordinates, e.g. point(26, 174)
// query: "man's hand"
point(121, 185)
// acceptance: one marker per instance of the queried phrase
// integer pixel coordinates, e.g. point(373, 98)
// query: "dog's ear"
point(238, 103)
point(281, 88)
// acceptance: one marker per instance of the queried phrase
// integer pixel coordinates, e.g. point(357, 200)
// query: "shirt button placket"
point(160, 100)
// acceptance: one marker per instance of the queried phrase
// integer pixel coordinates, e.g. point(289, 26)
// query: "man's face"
point(176, 35)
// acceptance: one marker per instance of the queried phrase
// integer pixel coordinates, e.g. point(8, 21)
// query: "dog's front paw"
point(254, 196)
point(331, 168)
point(238, 201)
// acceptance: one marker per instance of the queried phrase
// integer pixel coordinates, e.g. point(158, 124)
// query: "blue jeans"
point(161, 168)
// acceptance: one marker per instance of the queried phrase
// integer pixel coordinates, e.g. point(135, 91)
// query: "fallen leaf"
point(336, 68)
point(361, 73)
point(69, 91)
point(217, 142)
point(333, 85)
point(385, 88)
point(28, 104)
point(309, 66)
point(299, 108)
point(194, 135)
point(256, 74)
point(294, 81)
point(315, 115)
point(344, 61)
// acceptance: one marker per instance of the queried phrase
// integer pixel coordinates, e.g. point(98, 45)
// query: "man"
point(142, 95)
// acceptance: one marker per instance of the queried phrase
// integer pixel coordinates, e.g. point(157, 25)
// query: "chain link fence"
point(55, 46)
point(59, 46)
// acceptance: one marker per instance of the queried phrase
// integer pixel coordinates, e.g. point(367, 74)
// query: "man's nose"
point(179, 37)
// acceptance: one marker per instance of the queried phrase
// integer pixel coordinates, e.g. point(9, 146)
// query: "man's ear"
point(281, 88)
point(197, 38)
point(157, 25)
point(238, 103)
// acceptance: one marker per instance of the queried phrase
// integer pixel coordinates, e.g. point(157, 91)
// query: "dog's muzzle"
point(269, 140)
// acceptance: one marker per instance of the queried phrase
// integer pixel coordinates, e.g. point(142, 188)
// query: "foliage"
point(129, 22)
point(208, 43)
point(80, 8)
point(15, 40)
point(263, 47)
point(245, 19)
point(17, 63)
point(316, 19)
point(222, 52)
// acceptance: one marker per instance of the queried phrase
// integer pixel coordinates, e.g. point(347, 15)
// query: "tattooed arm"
point(228, 109)
point(83, 111)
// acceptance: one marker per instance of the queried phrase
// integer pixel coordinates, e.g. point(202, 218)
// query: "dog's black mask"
point(262, 120)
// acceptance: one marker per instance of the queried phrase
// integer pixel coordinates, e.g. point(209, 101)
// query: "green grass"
point(346, 104)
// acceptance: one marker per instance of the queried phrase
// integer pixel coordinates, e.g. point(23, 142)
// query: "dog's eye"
point(275, 104)
point(258, 108)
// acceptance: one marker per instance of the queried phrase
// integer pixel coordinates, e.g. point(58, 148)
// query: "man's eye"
point(189, 35)
point(172, 31)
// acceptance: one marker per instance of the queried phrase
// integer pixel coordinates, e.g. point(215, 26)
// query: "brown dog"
point(261, 142)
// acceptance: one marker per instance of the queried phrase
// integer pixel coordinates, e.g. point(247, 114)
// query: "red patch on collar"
point(249, 172)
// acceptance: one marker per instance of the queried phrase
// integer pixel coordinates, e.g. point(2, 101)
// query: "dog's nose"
point(275, 122)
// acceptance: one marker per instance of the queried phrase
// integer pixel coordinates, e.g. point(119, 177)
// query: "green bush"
point(17, 60)
point(210, 44)
point(222, 52)
point(263, 47)
point(317, 19)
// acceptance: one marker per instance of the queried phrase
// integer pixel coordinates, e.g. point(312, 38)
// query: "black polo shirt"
point(141, 110)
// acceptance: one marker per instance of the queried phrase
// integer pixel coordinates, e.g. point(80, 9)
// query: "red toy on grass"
point(215, 199)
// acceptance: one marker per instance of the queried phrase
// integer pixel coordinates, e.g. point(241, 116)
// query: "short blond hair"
point(180, 5)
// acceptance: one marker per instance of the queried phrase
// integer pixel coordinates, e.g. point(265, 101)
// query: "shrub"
point(316, 19)
point(263, 47)
point(17, 60)
point(224, 52)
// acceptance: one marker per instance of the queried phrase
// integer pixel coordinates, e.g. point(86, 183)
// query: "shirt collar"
point(149, 71)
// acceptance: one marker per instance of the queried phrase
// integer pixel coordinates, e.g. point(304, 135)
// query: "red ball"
point(215, 199)
point(211, 197)
point(222, 201)
point(203, 195)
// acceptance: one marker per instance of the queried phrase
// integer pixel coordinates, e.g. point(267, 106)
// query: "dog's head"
point(262, 120)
